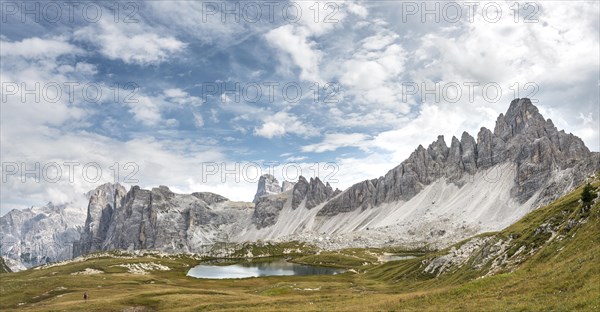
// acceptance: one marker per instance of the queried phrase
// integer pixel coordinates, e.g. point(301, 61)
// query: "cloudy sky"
point(198, 95)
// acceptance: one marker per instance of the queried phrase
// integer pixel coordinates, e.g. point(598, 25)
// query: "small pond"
point(390, 257)
point(255, 269)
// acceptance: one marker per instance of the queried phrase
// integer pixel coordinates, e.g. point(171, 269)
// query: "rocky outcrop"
point(455, 257)
point(540, 150)
point(521, 136)
point(163, 220)
point(299, 192)
point(210, 198)
point(314, 192)
point(103, 201)
point(267, 185)
point(310, 193)
point(267, 210)
point(3, 267)
point(318, 193)
point(287, 185)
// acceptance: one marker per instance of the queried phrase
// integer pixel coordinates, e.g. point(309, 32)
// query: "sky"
point(206, 96)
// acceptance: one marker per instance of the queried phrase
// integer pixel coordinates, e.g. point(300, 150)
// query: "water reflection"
point(390, 257)
point(255, 269)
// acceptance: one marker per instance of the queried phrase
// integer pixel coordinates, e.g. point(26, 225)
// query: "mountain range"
point(439, 195)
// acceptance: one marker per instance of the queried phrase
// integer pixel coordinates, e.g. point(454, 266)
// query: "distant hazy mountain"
point(38, 235)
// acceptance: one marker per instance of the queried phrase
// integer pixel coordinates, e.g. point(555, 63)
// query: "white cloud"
point(378, 41)
point(175, 93)
point(45, 74)
point(558, 54)
point(38, 48)
point(352, 170)
point(198, 120)
point(181, 97)
point(146, 109)
point(130, 43)
point(333, 141)
point(295, 42)
point(189, 17)
point(357, 9)
point(424, 129)
point(225, 99)
point(160, 162)
point(561, 43)
point(375, 77)
point(296, 158)
point(282, 123)
point(86, 68)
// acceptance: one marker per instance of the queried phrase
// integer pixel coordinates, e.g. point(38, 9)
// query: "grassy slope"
point(562, 274)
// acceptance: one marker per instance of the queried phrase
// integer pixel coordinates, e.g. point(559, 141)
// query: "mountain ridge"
point(438, 195)
point(424, 166)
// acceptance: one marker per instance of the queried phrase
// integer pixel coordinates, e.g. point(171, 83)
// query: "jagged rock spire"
point(521, 136)
point(267, 185)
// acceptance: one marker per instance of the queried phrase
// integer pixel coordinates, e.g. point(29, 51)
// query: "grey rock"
point(103, 200)
point(267, 210)
point(468, 153)
point(287, 185)
point(454, 165)
point(314, 192)
point(299, 192)
point(317, 193)
point(521, 136)
point(210, 198)
point(267, 185)
point(163, 220)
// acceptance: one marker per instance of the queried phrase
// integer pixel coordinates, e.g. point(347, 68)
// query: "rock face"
point(103, 201)
point(210, 198)
point(39, 235)
point(311, 193)
point(267, 185)
point(267, 210)
point(314, 192)
point(160, 219)
point(299, 192)
point(3, 267)
point(522, 136)
point(287, 185)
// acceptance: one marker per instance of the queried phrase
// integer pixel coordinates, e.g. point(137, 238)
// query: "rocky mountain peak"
point(103, 202)
point(317, 193)
point(299, 192)
point(521, 117)
point(438, 149)
point(314, 191)
point(163, 192)
point(267, 185)
point(521, 137)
